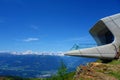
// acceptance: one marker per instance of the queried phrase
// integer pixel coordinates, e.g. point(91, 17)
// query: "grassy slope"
point(99, 71)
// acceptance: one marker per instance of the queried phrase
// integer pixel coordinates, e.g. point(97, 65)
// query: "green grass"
point(115, 74)
point(68, 76)
point(115, 62)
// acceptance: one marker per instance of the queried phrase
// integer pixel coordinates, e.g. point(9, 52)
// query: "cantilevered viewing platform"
point(106, 33)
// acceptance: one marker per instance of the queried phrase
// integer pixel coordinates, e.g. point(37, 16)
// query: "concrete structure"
point(106, 33)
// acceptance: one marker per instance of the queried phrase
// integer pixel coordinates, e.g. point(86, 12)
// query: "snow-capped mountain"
point(36, 65)
point(30, 52)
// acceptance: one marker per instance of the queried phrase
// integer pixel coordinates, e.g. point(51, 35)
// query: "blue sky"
point(50, 25)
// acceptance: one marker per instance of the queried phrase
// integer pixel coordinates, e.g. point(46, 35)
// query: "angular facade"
point(106, 33)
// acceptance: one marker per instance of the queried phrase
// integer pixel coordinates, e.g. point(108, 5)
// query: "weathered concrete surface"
point(106, 33)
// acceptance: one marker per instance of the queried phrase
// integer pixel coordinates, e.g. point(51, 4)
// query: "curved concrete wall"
point(106, 33)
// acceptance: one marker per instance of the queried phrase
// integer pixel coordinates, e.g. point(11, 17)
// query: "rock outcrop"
point(99, 71)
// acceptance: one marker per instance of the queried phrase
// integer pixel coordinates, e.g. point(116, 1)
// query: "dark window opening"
point(105, 36)
point(101, 33)
point(109, 37)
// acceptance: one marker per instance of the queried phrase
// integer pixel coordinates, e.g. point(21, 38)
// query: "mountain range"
point(31, 65)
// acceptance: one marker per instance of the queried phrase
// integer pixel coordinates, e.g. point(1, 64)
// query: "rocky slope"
point(99, 71)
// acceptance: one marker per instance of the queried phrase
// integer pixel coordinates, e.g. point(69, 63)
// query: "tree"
point(62, 71)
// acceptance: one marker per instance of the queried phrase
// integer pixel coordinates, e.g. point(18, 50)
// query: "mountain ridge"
point(29, 52)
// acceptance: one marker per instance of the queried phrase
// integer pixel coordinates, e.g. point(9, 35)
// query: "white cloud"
point(30, 39)
point(34, 27)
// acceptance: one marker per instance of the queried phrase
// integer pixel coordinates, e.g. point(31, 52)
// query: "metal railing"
point(83, 45)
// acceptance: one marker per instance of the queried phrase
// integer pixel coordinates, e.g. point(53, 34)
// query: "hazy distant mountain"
point(29, 52)
point(36, 65)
